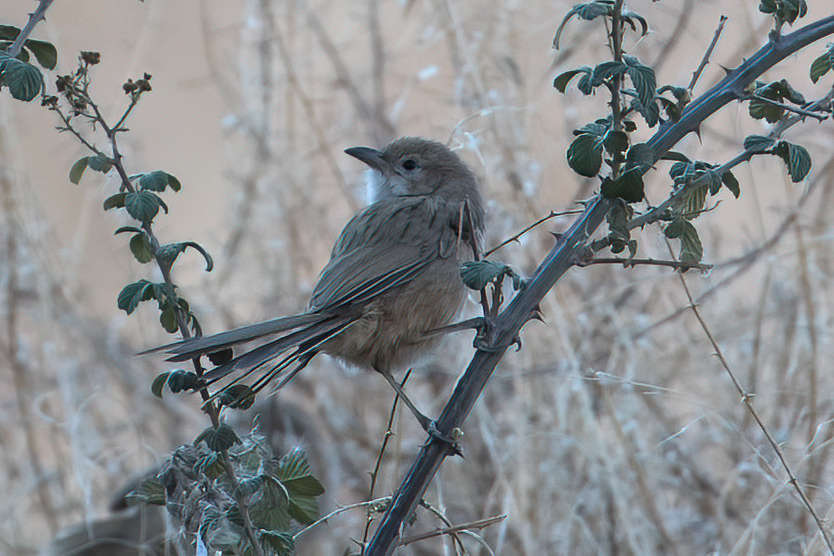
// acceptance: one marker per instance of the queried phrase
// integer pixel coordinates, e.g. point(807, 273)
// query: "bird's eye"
point(409, 164)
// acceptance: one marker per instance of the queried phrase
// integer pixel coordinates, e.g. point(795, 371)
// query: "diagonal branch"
point(509, 322)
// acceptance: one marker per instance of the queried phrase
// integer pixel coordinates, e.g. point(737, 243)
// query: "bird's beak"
point(369, 156)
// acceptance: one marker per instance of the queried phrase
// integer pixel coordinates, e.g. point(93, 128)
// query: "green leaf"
point(173, 183)
point(77, 170)
point(562, 80)
point(607, 70)
point(180, 381)
point(127, 229)
point(643, 79)
point(169, 253)
point(45, 53)
point(640, 157)
point(140, 246)
point(628, 187)
point(674, 229)
point(115, 201)
point(731, 183)
point(692, 200)
point(279, 541)
point(133, 294)
point(629, 17)
point(585, 155)
point(8, 32)
point(168, 319)
point(477, 274)
point(796, 158)
point(294, 473)
point(219, 439)
point(758, 143)
point(24, 80)
point(159, 383)
point(650, 113)
point(615, 142)
point(302, 487)
point(150, 491)
point(785, 11)
point(237, 396)
point(761, 110)
point(713, 181)
point(220, 357)
point(691, 250)
point(618, 233)
point(588, 11)
point(210, 465)
point(100, 163)
point(823, 64)
point(153, 181)
point(143, 205)
point(675, 155)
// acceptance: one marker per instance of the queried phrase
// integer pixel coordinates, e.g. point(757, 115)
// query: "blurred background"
point(613, 431)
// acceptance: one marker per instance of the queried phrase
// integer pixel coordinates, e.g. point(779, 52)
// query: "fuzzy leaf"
point(158, 384)
point(758, 143)
point(237, 396)
point(628, 187)
point(585, 155)
point(142, 205)
point(562, 80)
point(115, 201)
point(133, 294)
point(643, 79)
point(24, 80)
point(731, 183)
point(588, 11)
point(796, 158)
point(153, 181)
point(219, 439)
point(100, 163)
point(141, 248)
point(45, 53)
point(150, 491)
point(823, 64)
point(477, 274)
point(77, 170)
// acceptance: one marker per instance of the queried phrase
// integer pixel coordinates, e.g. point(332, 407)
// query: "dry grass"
point(613, 431)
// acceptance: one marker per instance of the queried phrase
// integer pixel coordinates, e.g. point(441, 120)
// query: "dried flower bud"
point(62, 82)
point(129, 87)
point(91, 58)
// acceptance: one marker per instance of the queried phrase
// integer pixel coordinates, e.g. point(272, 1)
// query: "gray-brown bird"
point(393, 275)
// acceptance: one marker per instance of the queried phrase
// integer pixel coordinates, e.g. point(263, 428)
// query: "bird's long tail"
point(305, 332)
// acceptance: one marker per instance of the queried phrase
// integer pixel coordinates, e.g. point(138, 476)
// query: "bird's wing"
point(383, 247)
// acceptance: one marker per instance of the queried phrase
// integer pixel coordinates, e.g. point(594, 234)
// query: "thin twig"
point(747, 400)
point(628, 263)
point(462, 527)
point(787, 107)
point(697, 74)
point(538, 222)
point(385, 438)
point(343, 509)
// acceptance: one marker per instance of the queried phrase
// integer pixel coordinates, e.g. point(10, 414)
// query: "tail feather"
point(194, 347)
point(254, 359)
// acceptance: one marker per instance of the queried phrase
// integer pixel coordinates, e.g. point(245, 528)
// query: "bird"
point(393, 277)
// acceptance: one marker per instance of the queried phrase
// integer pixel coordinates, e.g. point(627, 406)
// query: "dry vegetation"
point(613, 431)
